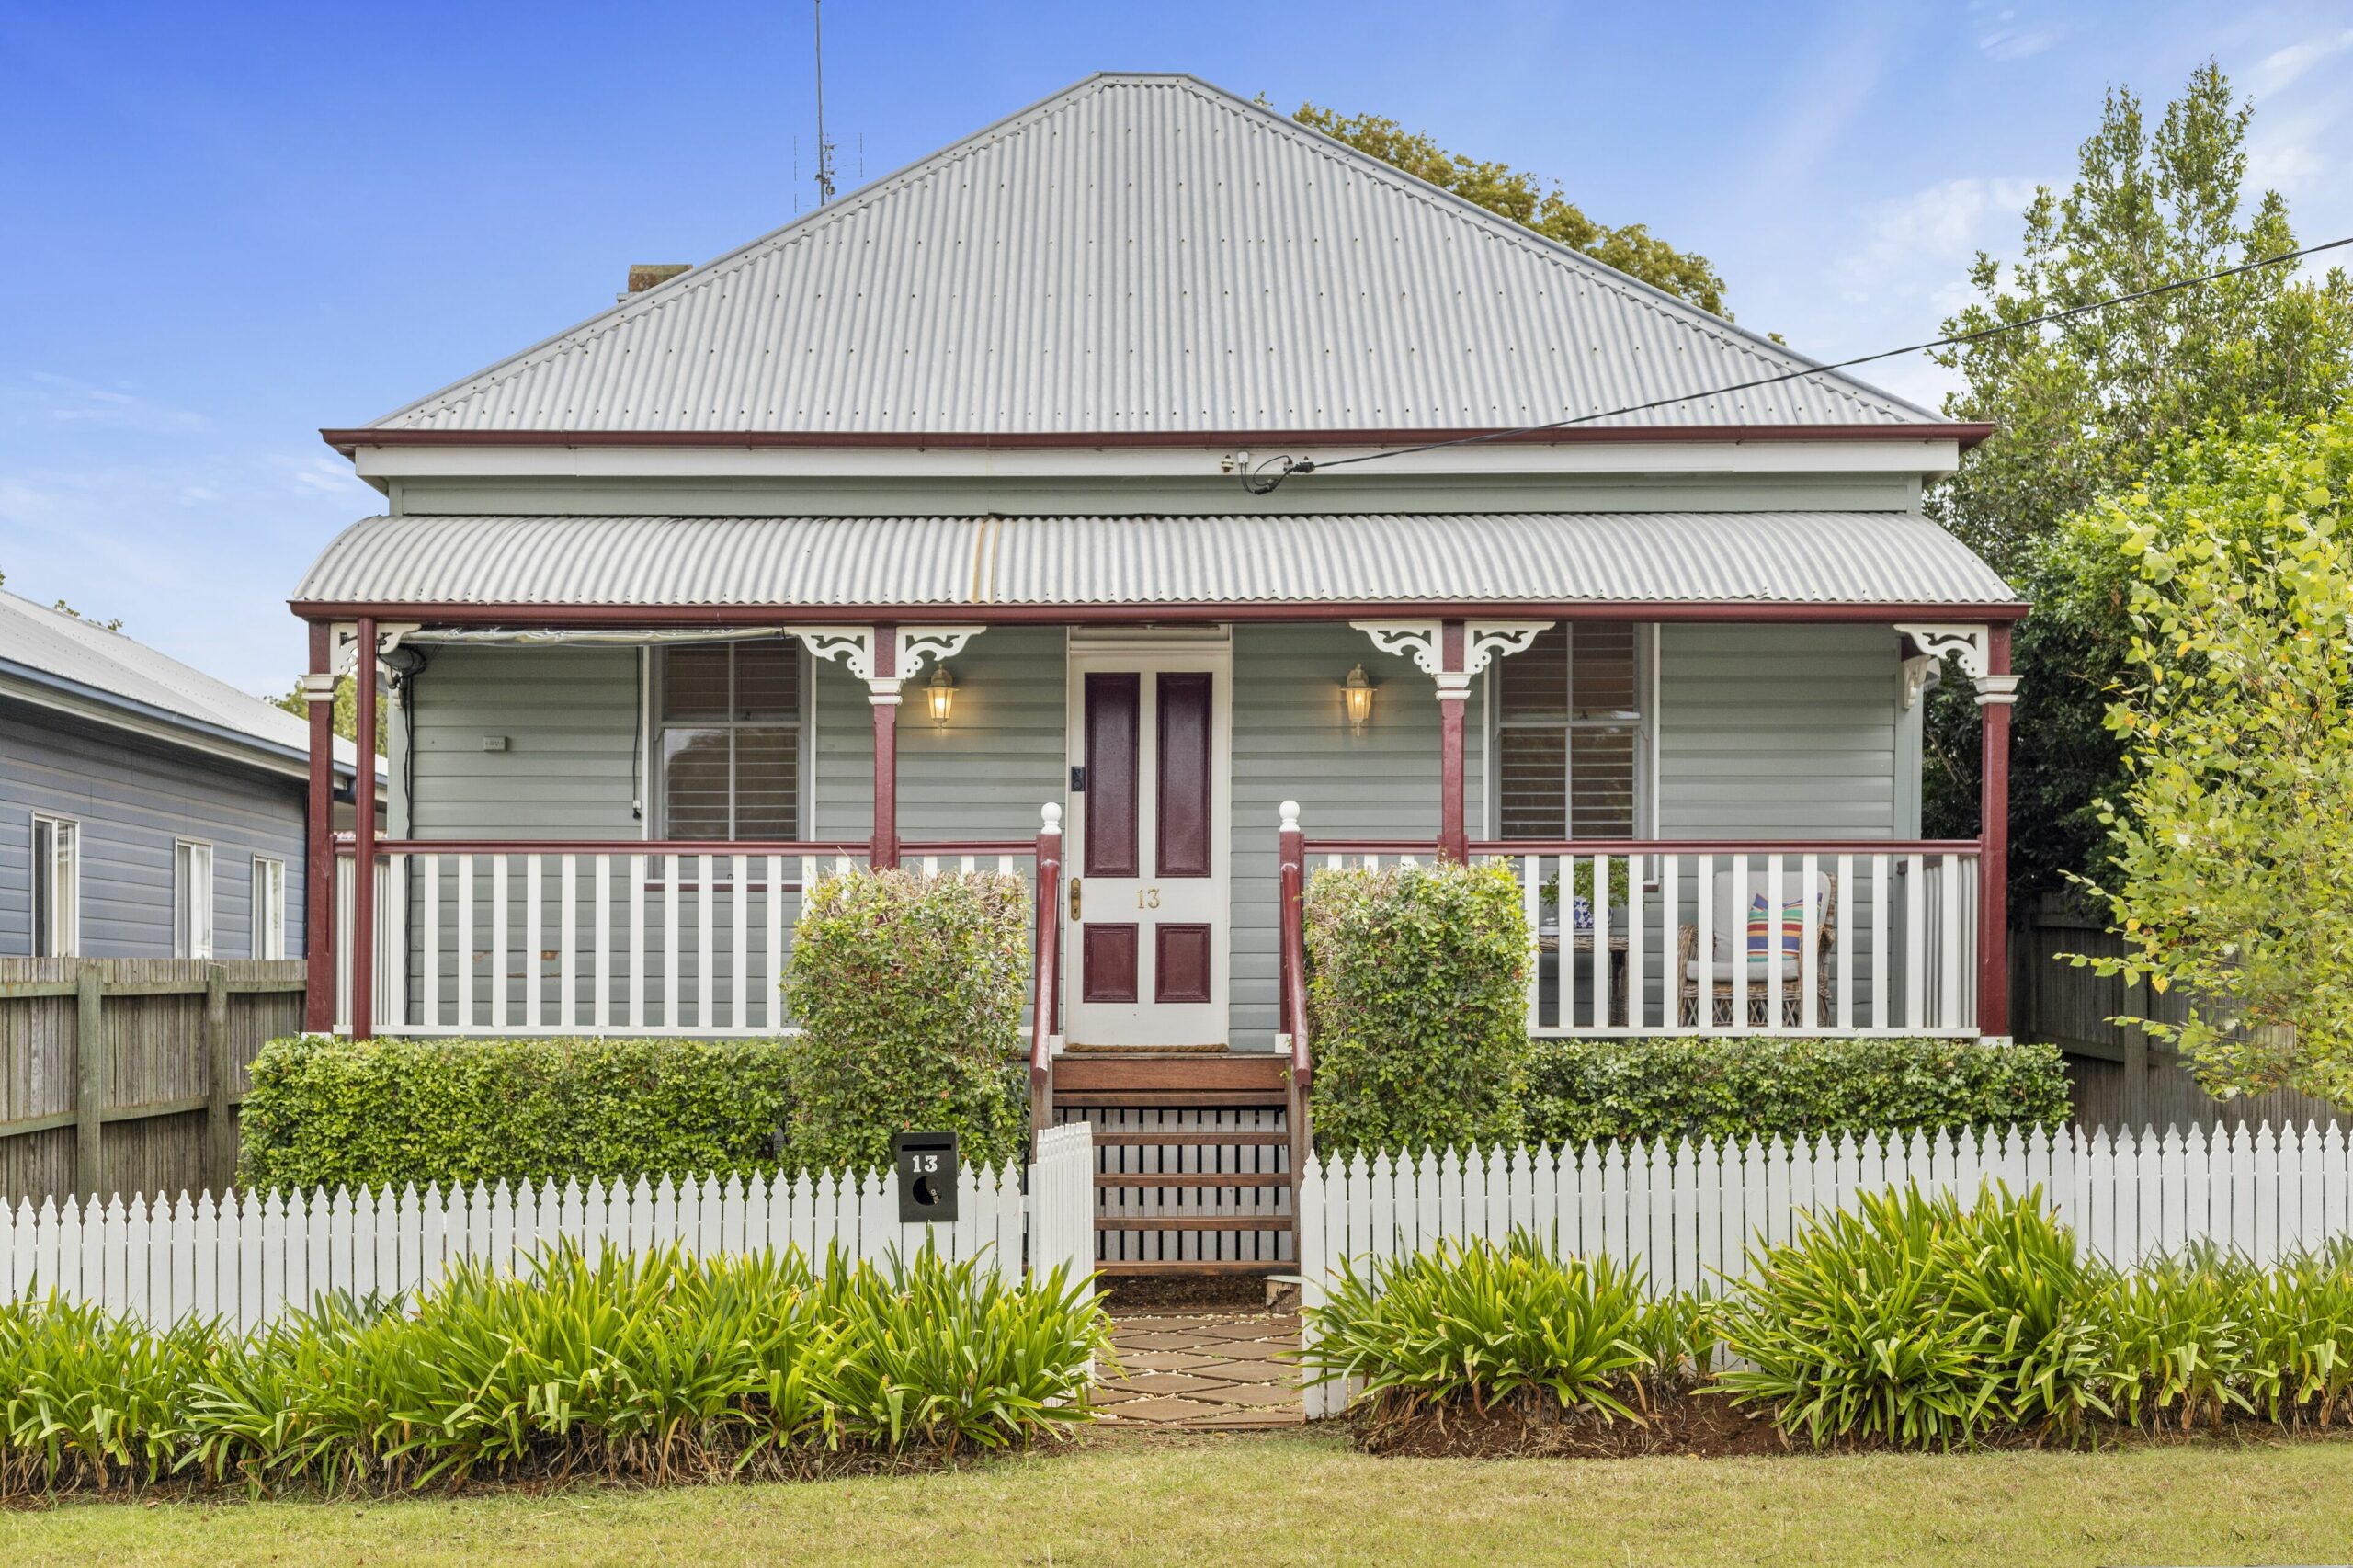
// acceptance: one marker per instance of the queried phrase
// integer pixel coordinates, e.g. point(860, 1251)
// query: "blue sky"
point(226, 226)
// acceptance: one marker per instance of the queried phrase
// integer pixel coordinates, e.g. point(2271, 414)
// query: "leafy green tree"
point(1526, 200)
point(346, 711)
point(2233, 861)
point(2083, 408)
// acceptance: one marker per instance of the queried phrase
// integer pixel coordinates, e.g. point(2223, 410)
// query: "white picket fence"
point(1686, 1213)
point(248, 1257)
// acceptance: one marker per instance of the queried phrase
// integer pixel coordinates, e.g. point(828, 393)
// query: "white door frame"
point(1208, 900)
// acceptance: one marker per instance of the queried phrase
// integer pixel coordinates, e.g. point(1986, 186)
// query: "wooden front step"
point(1148, 1222)
point(1208, 1134)
point(1194, 1179)
point(1262, 1076)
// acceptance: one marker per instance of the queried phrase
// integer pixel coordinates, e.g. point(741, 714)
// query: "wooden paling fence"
point(1685, 1214)
point(247, 1257)
point(123, 1074)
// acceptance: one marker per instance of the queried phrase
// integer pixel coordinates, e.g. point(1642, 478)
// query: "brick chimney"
point(648, 274)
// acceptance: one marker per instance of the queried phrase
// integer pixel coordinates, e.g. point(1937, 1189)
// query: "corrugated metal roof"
point(1143, 253)
point(1768, 557)
point(80, 655)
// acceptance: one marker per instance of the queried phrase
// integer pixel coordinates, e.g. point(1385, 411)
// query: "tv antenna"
point(825, 148)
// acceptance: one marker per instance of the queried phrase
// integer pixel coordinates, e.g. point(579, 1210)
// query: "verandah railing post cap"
point(1290, 810)
point(1049, 818)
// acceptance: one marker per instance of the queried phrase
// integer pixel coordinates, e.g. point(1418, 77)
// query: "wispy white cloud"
point(319, 474)
point(2003, 35)
point(1916, 247)
point(43, 397)
point(2277, 70)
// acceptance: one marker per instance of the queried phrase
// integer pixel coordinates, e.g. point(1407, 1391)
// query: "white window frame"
point(1645, 723)
point(268, 939)
point(59, 936)
point(654, 814)
point(192, 921)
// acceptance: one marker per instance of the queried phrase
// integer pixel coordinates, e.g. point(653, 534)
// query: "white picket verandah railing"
point(518, 939)
point(1685, 1214)
point(248, 1257)
point(1889, 934)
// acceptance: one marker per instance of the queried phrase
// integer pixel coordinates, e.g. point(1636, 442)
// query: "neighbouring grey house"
point(1077, 500)
point(146, 809)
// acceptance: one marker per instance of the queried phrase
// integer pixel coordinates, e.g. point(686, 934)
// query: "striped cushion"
point(1760, 941)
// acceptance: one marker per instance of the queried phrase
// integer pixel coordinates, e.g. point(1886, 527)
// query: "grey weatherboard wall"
point(132, 800)
point(1765, 730)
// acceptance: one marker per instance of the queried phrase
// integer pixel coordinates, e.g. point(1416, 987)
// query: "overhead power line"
point(1263, 477)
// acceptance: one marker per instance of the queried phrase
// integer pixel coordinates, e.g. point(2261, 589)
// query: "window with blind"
point(57, 887)
point(727, 740)
point(1571, 733)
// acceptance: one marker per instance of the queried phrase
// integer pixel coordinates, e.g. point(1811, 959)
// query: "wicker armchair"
point(1730, 931)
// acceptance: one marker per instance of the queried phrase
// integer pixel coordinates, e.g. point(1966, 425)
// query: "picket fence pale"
point(249, 1257)
point(1062, 1202)
point(1685, 1214)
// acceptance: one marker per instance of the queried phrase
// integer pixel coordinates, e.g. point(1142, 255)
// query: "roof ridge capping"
point(1862, 397)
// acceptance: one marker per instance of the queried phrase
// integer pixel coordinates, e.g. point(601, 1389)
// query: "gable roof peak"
point(1109, 259)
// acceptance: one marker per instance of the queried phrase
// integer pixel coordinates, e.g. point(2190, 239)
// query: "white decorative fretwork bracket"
point(1423, 641)
point(1938, 641)
point(911, 645)
point(1918, 670)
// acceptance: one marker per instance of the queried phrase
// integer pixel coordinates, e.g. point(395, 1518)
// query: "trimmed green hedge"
point(1415, 1006)
point(1593, 1091)
point(328, 1112)
point(909, 993)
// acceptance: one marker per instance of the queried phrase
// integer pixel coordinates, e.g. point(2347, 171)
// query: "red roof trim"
point(1147, 614)
point(1967, 433)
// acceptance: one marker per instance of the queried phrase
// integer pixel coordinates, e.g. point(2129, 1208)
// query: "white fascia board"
point(1929, 459)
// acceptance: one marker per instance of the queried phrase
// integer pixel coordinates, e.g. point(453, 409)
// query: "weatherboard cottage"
point(964, 521)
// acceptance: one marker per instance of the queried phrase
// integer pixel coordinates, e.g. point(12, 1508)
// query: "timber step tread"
point(1194, 1265)
point(1115, 1050)
point(1170, 1099)
point(1268, 1074)
point(1191, 1137)
point(1194, 1179)
point(1195, 1223)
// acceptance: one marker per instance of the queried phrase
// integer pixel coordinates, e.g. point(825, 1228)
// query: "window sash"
point(728, 770)
point(57, 887)
point(269, 908)
point(191, 900)
point(1565, 772)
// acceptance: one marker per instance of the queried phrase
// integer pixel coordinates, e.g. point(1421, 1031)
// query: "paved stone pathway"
point(1205, 1371)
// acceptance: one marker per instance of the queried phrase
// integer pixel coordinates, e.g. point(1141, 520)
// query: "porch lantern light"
point(1357, 691)
point(942, 692)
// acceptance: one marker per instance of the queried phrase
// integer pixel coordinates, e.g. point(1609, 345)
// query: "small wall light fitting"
point(942, 693)
point(1357, 692)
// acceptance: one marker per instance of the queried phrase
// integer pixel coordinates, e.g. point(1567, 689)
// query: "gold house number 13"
point(1147, 898)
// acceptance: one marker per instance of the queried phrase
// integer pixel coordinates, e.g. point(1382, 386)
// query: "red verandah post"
point(363, 852)
point(1996, 691)
point(318, 872)
point(1044, 998)
point(1291, 1009)
point(882, 691)
point(1453, 696)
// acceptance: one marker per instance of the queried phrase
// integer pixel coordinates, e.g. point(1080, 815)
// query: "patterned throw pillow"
point(1760, 940)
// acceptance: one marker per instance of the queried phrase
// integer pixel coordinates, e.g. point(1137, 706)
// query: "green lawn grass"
point(1300, 1498)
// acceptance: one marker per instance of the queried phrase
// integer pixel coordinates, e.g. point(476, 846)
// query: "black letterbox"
point(927, 1176)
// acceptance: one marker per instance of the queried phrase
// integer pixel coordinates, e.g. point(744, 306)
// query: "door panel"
point(1181, 963)
point(1148, 921)
point(1108, 963)
point(1181, 847)
point(1110, 758)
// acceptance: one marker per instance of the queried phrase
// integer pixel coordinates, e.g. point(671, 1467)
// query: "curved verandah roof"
point(1775, 563)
